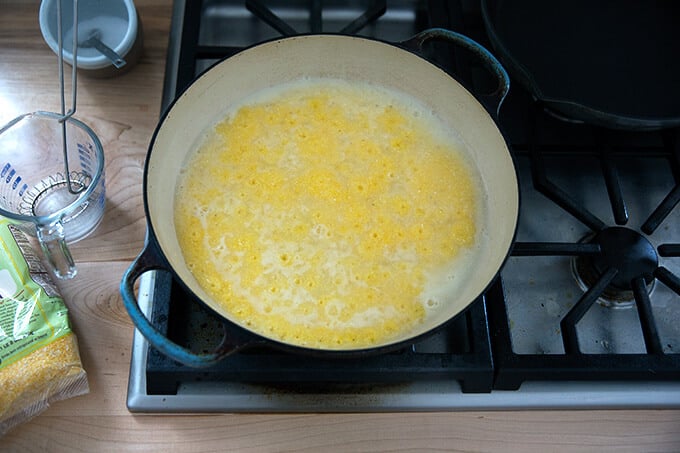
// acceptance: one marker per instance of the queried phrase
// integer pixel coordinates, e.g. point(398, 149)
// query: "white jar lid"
point(115, 22)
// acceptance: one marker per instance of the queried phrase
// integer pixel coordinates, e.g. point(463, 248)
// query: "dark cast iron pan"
point(612, 63)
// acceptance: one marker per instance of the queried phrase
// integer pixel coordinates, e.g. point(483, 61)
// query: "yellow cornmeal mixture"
point(37, 377)
point(317, 216)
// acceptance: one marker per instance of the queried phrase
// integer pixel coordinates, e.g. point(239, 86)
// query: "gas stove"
point(557, 329)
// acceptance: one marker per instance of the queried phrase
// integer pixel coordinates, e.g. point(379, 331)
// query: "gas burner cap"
point(625, 250)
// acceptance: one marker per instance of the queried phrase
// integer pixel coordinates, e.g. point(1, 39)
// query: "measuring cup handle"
point(151, 259)
point(57, 254)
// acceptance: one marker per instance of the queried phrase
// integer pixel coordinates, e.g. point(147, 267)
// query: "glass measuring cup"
point(54, 195)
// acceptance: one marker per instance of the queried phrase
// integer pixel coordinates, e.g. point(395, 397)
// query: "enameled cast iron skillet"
point(395, 66)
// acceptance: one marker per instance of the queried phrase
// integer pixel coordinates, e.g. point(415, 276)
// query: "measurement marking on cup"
point(85, 156)
point(8, 173)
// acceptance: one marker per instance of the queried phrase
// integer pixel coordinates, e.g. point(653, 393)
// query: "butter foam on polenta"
point(321, 213)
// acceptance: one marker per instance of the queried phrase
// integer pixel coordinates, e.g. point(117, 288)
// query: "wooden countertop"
point(124, 111)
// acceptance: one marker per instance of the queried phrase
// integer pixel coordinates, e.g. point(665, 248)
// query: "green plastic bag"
point(39, 358)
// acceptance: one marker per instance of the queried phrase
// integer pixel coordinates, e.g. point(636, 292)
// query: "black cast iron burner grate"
point(373, 10)
point(192, 51)
point(619, 259)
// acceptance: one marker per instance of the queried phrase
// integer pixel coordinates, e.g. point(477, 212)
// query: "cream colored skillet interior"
point(354, 59)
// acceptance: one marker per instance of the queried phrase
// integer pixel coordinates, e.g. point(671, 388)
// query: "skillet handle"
point(150, 259)
point(491, 101)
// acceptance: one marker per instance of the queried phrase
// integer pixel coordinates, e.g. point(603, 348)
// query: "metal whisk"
point(74, 81)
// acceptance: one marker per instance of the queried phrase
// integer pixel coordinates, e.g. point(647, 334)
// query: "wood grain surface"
point(124, 111)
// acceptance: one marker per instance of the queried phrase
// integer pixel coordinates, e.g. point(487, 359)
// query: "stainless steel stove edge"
point(415, 397)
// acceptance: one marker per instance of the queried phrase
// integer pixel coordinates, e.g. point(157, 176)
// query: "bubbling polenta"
point(316, 213)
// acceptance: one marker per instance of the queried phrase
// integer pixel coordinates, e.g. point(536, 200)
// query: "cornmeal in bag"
point(39, 358)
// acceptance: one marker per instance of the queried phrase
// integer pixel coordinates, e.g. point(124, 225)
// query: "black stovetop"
point(575, 180)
